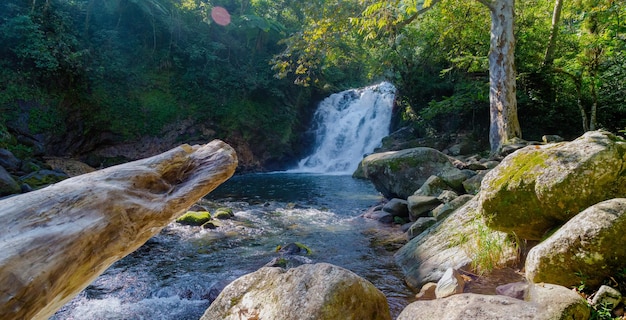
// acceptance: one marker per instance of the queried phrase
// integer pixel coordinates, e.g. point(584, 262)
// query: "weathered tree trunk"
point(504, 124)
point(57, 240)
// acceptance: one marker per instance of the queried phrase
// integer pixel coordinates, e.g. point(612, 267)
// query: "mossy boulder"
point(398, 174)
point(194, 218)
point(538, 188)
point(588, 249)
point(309, 292)
point(223, 213)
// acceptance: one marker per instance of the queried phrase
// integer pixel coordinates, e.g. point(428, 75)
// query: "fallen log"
point(57, 240)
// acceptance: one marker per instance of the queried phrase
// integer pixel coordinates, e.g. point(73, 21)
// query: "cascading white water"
point(348, 125)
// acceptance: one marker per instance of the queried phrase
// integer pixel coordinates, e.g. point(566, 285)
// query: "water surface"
point(177, 273)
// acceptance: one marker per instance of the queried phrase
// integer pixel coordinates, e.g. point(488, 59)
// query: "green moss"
point(194, 218)
point(304, 247)
point(520, 168)
point(223, 213)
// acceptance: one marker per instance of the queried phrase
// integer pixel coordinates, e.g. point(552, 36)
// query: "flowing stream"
point(180, 271)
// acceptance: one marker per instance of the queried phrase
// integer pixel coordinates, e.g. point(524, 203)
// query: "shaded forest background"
point(79, 75)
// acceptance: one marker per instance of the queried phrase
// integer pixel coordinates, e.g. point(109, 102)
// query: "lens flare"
point(220, 16)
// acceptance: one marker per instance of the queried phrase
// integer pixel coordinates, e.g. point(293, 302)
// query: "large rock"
point(590, 245)
point(455, 242)
point(540, 187)
point(309, 292)
point(546, 302)
point(8, 160)
point(56, 240)
point(398, 174)
point(8, 185)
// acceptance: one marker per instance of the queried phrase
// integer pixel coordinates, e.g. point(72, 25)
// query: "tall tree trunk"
point(548, 59)
point(504, 124)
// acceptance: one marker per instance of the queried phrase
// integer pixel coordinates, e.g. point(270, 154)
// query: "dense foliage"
point(121, 69)
point(116, 70)
point(438, 60)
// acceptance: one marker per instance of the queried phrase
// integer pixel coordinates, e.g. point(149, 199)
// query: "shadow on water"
point(177, 273)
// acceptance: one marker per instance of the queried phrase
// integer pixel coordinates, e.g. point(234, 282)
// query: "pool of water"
point(180, 271)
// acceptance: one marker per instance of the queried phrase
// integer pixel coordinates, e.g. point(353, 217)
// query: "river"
point(177, 273)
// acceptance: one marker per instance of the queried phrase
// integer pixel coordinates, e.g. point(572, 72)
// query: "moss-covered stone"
point(223, 213)
point(398, 174)
point(194, 218)
point(539, 187)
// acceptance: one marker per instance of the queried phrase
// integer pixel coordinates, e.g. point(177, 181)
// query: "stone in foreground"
point(546, 302)
point(309, 292)
point(591, 245)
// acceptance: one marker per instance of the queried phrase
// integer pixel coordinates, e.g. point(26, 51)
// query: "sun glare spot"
point(220, 16)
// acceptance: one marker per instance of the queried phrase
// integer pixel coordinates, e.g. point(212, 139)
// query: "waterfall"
point(348, 125)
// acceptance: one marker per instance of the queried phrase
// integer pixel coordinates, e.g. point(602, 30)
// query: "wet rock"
point(194, 218)
point(310, 291)
point(223, 213)
point(289, 261)
point(294, 248)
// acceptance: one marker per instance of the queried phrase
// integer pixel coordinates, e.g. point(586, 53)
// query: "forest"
point(82, 74)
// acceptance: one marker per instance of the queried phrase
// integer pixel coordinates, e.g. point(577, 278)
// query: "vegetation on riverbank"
point(115, 71)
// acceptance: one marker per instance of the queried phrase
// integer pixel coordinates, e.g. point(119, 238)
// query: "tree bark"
point(504, 124)
point(548, 59)
point(57, 240)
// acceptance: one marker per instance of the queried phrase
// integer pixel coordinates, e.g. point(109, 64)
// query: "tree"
point(504, 124)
